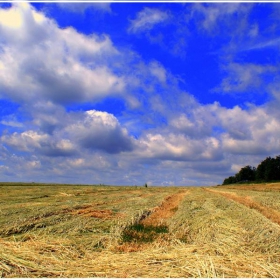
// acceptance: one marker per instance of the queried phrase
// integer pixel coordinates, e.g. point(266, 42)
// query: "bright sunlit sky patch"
point(129, 93)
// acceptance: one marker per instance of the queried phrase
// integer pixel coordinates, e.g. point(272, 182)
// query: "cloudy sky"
point(129, 93)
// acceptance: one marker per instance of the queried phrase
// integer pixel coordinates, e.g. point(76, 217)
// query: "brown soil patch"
point(268, 212)
point(166, 210)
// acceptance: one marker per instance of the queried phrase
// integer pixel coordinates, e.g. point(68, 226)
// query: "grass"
point(142, 233)
point(102, 231)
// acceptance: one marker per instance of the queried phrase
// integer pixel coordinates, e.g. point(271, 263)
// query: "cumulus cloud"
point(179, 147)
point(45, 62)
point(253, 131)
point(92, 130)
point(93, 141)
point(33, 141)
point(264, 138)
point(146, 19)
point(196, 123)
point(102, 131)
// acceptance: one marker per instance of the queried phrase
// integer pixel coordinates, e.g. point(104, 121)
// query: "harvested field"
point(83, 231)
point(268, 212)
point(265, 187)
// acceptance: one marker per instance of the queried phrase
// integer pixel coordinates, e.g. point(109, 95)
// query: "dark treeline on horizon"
point(268, 170)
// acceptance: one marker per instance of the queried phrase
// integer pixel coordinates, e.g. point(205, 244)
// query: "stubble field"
point(101, 231)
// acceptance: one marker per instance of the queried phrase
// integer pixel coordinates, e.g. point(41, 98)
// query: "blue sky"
point(129, 93)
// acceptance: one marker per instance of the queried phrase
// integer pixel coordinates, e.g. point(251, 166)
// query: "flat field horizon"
point(57, 230)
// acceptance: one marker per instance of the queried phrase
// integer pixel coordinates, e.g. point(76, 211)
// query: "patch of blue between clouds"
point(9, 112)
point(218, 130)
point(7, 107)
point(5, 5)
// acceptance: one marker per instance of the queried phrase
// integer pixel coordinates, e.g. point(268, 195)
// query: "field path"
point(166, 210)
point(268, 212)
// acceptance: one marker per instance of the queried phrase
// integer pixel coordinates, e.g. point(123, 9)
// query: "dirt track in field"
point(166, 210)
point(268, 212)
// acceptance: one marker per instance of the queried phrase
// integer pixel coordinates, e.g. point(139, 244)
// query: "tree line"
point(268, 170)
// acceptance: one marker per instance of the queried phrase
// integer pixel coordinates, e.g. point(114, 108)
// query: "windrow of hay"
point(166, 210)
point(268, 212)
point(267, 198)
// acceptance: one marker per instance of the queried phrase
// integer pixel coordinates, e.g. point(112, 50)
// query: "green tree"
point(272, 171)
point(269, 169)
point(260, 174)
point(229, 180)
point(247, 173)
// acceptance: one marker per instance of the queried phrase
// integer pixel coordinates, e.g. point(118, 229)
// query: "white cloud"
point(45, 62)
point(11, 19)
point(76, 7)
point(215, 12)
point(241, 77)
point(255, 131)
point(266, 43)
point(158, 71)
point(25, 141)
point(92, 130)
point(197, 123)
point(11, 120)
point(147, 19)
point(178, 147)
point(101, 131)
point(33, 141)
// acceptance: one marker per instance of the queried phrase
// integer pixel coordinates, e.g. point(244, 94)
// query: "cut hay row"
point(166, 210)
point(268, 212)
point(261, 194)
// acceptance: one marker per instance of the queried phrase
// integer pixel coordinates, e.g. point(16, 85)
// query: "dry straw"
point(209, 235)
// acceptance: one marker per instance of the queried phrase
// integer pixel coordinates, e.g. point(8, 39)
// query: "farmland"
point(102, 231)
